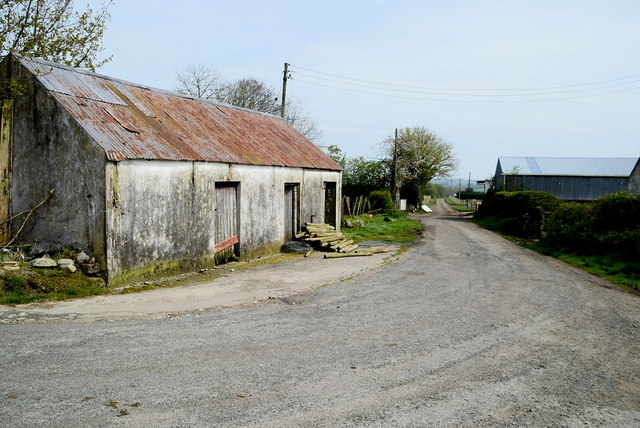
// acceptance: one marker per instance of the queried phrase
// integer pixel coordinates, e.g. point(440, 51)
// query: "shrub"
point(381, 199)
point(609, 224)
point(528, 202)
point(616, 223)
point(618, 211)
point(570, 226)
point(520, 212)
point(515, 204)
point(465, 195)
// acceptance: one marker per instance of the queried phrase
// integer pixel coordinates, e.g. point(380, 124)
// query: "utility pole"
point(285, 76)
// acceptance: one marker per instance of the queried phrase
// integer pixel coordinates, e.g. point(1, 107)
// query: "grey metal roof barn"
point(568, 178)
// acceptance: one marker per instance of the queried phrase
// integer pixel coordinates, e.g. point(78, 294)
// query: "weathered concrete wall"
point(161, 214)
point(51, 151)
point(157, 212)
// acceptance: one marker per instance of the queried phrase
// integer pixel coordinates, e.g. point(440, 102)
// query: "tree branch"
point(24, 222)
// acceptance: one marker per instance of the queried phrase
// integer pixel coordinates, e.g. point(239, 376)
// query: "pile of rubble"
point(81, 261)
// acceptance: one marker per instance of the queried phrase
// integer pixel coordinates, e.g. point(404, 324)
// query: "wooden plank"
point(6, 129)
point(341, 255)
point(221, 246)
point(326, 238)
point(349, 248)
point(344, 244)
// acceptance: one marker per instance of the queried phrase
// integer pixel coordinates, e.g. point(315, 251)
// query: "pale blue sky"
point(465, 69)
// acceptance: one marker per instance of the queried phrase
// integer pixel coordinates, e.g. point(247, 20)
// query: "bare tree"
point(199, 81)
point(296, 116)
point(202, 82)
point(251, 94)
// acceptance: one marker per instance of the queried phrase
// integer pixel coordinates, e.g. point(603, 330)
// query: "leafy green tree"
point(420, 156)
point(53, 30)
point(336, 154)
point(362, 176)
point(436, 190)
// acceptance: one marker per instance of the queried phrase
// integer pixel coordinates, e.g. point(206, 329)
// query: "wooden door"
point(226, 232)
point(291, 211)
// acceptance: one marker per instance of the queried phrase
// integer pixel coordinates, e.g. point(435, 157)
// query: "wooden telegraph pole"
point(285, 76)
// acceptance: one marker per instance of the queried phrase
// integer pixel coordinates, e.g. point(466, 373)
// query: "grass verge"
point(623, 273)
point(27, 286)
point(399, 229)
point(612, 267)
point(457, 207)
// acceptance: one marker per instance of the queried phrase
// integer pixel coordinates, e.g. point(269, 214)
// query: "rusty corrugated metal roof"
point(134, 122)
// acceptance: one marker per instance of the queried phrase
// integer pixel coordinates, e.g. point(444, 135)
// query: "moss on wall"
point(160, 269)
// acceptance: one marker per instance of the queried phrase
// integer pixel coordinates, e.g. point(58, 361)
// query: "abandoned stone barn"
point(569, 179)
point(148, 181)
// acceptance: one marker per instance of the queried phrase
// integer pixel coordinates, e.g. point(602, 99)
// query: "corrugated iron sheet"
point(133, 122)
point(587, 167)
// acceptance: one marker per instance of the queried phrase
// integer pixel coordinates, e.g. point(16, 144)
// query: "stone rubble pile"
point(82, 261)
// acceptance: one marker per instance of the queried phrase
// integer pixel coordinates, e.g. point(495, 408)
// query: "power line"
point(421, 87)
point(443, 93)
point(355, 126)
point(393, 95)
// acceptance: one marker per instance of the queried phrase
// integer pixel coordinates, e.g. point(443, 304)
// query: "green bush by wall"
point(381, 199)
point(515, 204)
point(609, 224)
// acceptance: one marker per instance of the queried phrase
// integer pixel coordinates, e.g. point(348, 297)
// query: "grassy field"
point(456, 206)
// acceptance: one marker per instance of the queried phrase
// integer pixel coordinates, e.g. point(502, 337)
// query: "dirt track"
point(466, 329)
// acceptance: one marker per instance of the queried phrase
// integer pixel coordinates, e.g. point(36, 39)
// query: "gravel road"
point(466, 329)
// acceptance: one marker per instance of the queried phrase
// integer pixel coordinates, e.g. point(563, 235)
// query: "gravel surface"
point(466, 329)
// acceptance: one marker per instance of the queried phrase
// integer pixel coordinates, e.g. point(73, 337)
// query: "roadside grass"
point(27, 286)
point(612, 267)
point(456, 206)
point(398, 229)
point(491, 223)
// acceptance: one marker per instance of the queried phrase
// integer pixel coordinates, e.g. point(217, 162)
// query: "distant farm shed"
point(571, 179)
point(147, 180)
